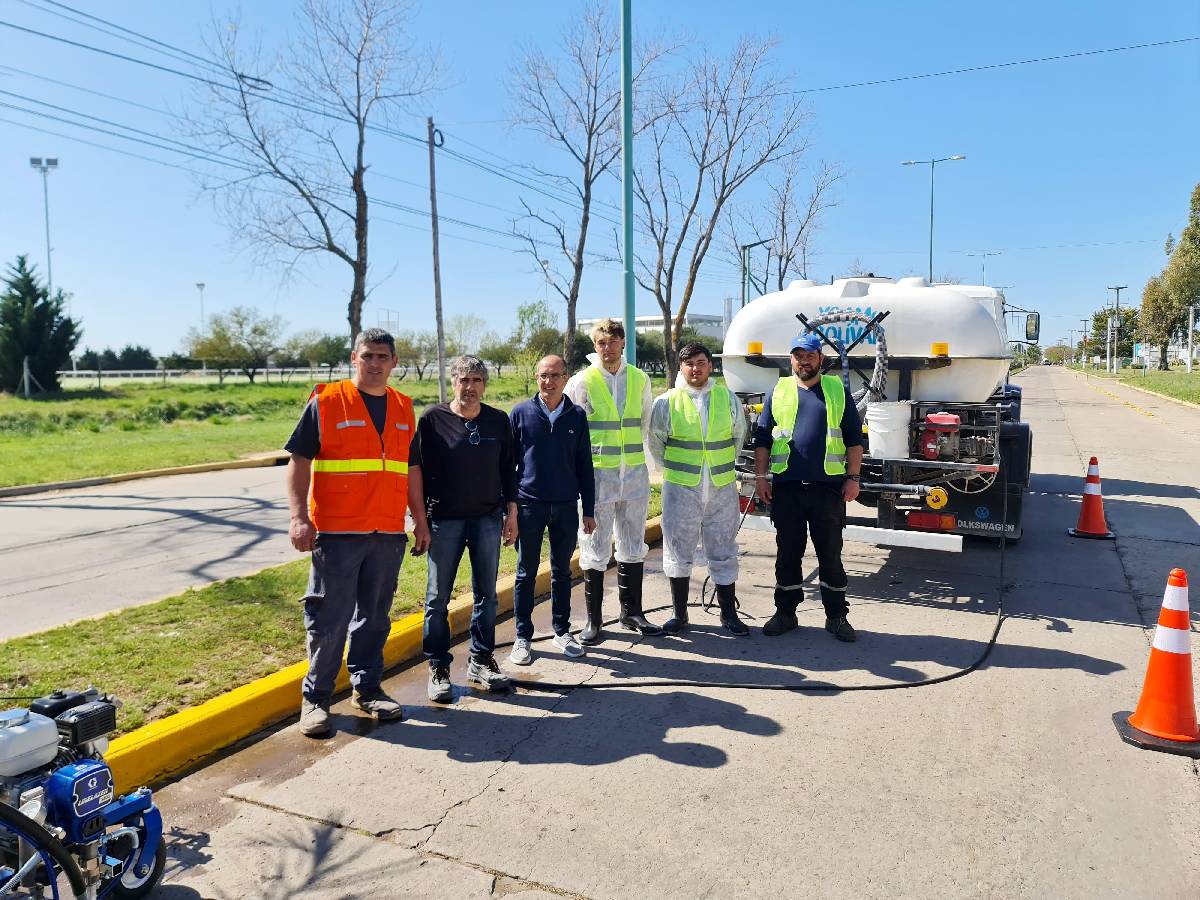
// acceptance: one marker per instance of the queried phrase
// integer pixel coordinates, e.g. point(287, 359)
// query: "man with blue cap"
point(809, 438)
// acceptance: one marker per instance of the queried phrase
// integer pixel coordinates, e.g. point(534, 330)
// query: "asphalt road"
point(1008, 782)
point(72, 554)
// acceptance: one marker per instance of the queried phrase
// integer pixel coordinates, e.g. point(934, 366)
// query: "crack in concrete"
point(499, 878)
point(487, 782)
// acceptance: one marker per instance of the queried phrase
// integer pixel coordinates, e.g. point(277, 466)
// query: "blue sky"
point(1076, 170)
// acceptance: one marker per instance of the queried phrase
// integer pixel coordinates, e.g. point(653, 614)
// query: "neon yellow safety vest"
point(785, 403)
point(687, 447)
point(615, 437)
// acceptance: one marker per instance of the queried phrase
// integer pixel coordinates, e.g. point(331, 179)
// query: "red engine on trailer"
point(939, 436)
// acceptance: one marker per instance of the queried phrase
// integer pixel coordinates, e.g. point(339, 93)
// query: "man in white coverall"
point(617, 400)
point(696, 430)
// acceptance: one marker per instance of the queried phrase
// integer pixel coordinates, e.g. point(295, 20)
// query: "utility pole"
point(436, 140)
point(746, 248)
point(1086, 327)
point(1116, 350)
point(200, 288)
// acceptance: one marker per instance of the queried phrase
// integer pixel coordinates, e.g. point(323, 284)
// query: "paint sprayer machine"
point(64, 831)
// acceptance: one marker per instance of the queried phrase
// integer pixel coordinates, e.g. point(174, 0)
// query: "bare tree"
point(787, 225)
point(297, 129)
point(573, 100)
point(727, 120)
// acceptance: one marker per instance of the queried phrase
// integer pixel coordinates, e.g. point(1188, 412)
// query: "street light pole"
point(932, 163)
point(46, 166)
point(1191, 329)
point(983, 263)
point(1116, 352)
point(1086, 325)
point(200, 288)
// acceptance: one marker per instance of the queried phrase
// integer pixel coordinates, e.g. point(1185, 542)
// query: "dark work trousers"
point(350, 589)
point(533, 520)
point(798, 509)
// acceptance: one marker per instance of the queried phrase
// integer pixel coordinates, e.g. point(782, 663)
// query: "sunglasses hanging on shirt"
point(473, 437)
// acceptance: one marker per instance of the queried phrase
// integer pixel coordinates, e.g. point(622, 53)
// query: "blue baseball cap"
point(807, 340)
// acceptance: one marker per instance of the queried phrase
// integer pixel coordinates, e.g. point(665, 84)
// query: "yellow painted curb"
point(170, 745)
point(254, 462)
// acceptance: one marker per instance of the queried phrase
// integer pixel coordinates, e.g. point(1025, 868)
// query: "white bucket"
point(887, 429)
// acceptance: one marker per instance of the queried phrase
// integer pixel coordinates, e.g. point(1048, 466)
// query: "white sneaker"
point(522, 654)
point(568, 645)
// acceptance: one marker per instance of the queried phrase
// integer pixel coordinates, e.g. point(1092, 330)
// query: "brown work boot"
point(374, 702)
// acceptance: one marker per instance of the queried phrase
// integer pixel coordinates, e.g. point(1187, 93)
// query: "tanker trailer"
point(927, 365)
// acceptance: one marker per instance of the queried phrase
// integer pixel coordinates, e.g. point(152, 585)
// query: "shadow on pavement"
point(637, 725)
point(1112, 487)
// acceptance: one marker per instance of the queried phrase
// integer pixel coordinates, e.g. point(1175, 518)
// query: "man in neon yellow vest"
point(696, 430)
point(809, 438)
point(616, 398)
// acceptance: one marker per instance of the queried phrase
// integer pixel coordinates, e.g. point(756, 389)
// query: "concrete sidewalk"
point(1009, 782)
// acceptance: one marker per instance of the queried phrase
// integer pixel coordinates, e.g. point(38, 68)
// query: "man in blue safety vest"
point(809, 438)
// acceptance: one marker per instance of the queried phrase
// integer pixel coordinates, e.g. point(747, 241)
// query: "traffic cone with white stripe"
point(1091, 513)
point(1165, 719)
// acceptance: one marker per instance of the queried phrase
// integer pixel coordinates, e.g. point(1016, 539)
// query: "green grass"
point(131, 427)
point(1178, 384)
point(166, 656)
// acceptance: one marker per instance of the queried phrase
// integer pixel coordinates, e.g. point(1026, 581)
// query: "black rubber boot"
point(727, 600)
point(593, 598)
point(679, 600)
point(629, 592)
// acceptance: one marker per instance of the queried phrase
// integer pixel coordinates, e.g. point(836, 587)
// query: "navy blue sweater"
point(554, 463)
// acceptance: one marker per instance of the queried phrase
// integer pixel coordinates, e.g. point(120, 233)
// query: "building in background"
point(709, 326)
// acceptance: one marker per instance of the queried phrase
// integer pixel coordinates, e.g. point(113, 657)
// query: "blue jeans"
point(350, 589)
point(533, 519)
point(480, 537)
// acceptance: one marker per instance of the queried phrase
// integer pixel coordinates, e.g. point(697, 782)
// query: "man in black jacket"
point(553, 453)
point(462, 496)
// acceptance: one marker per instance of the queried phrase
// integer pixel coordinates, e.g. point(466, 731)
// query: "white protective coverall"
point(622, 494)
point(703, 514)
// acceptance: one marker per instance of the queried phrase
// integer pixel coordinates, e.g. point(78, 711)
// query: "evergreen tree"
point(32, 325)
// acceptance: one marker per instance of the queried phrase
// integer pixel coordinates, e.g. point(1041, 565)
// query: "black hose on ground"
point(796, 687)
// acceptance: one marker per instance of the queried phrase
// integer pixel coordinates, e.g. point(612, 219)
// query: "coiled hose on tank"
point(874, 389)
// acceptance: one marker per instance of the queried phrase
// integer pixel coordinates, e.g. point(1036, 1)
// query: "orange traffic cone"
point(1091, 513)
point(1166, 713)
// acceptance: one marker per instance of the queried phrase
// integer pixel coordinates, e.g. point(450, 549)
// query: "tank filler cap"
point(801, 283)
point(913, 281)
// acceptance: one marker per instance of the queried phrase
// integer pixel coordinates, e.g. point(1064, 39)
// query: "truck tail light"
point(929, 521)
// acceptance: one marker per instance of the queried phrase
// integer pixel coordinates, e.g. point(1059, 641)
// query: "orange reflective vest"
point(360, 478)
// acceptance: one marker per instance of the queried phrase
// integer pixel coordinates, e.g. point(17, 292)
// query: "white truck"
point(948, 454)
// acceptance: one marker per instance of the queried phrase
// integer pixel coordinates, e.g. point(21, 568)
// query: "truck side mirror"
point(1033, 327)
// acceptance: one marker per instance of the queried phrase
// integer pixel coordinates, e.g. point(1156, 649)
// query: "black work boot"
point(841, 629)
point(593, 599)
point(783, 621)
point(679, 601)
point(727, 600)
point(629, 592)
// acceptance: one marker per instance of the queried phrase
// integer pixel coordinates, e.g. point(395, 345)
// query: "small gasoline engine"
point(943, 437)
point(71, 831)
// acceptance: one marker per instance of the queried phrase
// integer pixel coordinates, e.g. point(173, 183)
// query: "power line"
point(897, 79)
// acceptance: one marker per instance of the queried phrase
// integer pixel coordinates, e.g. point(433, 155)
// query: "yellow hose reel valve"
point(937, 498)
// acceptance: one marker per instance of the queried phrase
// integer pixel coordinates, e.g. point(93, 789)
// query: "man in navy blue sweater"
point(553, 451)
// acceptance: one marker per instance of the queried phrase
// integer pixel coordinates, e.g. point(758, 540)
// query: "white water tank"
point(919, 316)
